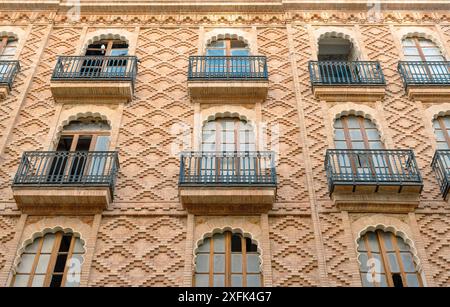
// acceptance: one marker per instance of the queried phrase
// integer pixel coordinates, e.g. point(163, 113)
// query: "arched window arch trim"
point(219, 34)
point(422, 33)
point(77, 116)
point(394, 230)
point(328, 32)
point(357, 110)
point(40, 234)
point(210, 234)
point(123, 35)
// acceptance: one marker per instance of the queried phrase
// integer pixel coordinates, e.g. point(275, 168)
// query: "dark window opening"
point(397, 279)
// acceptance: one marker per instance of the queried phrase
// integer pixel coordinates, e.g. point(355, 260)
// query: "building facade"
point(246, 143)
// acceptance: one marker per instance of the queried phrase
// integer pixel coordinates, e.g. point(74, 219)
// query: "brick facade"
point(146, 238)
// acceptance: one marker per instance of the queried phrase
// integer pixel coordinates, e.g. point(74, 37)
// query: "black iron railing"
point(371, 167)
point(105, 68)
point(8, 71)
point(425, 73)
point(441, 168)
point(64, 168)
point(346, 73)
point(227, 67)
point(228, 169)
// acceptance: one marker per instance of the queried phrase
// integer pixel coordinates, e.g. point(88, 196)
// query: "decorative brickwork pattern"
point(38, 113)
point(435, 231)
point(339, 268)
point(144, 251)
point(160, 109)
point(7, 231)
point(294, 261)
point(279, 113)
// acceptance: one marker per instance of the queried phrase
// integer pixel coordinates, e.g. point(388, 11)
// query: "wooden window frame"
point(228, 271)
point(444, 129)
point(52, 261)
point(384, 258)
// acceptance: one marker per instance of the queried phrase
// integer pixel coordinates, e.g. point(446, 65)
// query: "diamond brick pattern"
point(7, 231)
point(144, 251)
point(294, 260)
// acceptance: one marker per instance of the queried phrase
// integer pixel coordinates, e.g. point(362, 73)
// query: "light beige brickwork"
point(145, 237)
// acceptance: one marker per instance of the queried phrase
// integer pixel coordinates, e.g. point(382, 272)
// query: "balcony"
point(8, 72)
point(347, 81)
point(426, 81)
point(90, 79)
point(65, 182)
point(373, 180)
point(441, 168)
point(227, 182)
point(238, 79)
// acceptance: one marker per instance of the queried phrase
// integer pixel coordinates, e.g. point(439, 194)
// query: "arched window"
point(421, 49)
point(333, 48)
point(115, 50)
point(442, 132)
point(228, 134)
point(227, 47)
point(227, 260)
point(86, 134)
point(8, 46)
point(47, 260)
point(356, 132)
point(386, 261)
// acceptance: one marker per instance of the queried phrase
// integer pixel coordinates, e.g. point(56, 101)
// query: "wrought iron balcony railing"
point(371, 167)
point(8, 71)
point(441, 168)
point(252, 68)
point(360, 73)
point(228, 169)
point(64, 168)
point(104, 68)
point(424, 73)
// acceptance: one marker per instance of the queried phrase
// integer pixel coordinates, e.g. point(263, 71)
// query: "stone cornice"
point(227, 6)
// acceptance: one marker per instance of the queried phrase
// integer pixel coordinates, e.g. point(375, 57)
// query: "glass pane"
point(215, 52)
point(252, 264)
point(217, 44)
point(387, 237)
point(254, 280)
point(21, 280)
point(373, 241)
point(361, 245)
point(38, 281)
point(365, 281)
point(33, 247)
point(408, 262)
point(78, 248)
point(372, 134)
point(26, 264)
point(49, 239)
point(355, 135)
point(236, 243)
point(202, 263)
point(383, 281)
point(393, 263)
point(42, 265)
point(339, 134)
point(219, 263)
point(201, 280)
point(65, 243)
point(352, 122)
point(412, 280)
point(219, 242)
point(73, 281)
point(401, 245)
point(236, 263)
point(219, 280)
point(250, 247)
point(378, 260)
point(205, 246)
point(236, 280)
point(363, 260)
point(240, 52)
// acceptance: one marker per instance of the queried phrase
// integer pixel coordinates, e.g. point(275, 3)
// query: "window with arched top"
point(386, 261)
point(116, 63)
point(441, 126)
point(76, 160)
point(421, 49)
point(53, 260)
point(8, 47)
point(356, 132)
point(228, 134)
point(227, 260)
point(227, 47)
